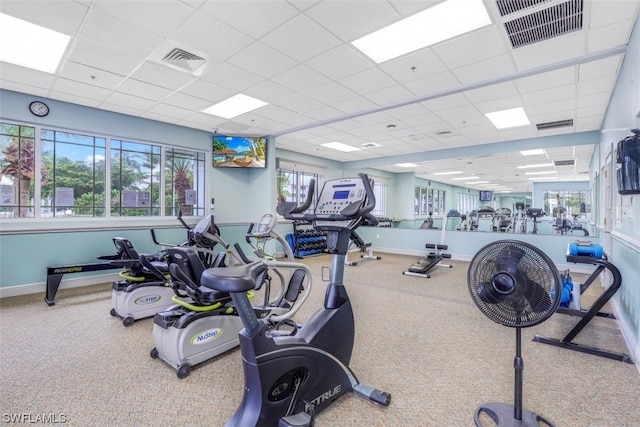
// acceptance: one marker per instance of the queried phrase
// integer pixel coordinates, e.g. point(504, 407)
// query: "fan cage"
point(537, 290)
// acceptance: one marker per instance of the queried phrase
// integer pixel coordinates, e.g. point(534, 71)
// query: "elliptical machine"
point(290, 378)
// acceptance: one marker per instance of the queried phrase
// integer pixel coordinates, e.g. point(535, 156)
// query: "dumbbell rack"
point(587, 315)
point(307, 240)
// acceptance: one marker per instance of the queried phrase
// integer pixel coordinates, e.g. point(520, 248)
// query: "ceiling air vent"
point(554, 125)
point(507, 7)
point(564, 162)
point(545, 24)
point(183, 59)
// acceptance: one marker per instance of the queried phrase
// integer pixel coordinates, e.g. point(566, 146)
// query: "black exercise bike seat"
point(233, 279)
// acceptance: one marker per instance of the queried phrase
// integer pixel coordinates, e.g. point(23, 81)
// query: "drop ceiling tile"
point(446, 102)
point(331, 93)
point(550, 51)
point(144, 90)
point(339, 62)
point(301, 78)
point(550, 107)
point(500, 90)
point(477, 46)
point(390, 95)
point(433, 85)
point(485, 70)
point(300, 103)
point(269, 91)
point(591, 111)
point(216, 39)
point(595, 99)
point(24, 88)
point(414, 66)
point(129, 101)
point(105, 30)
point(323, 113)
point(89, 75)
point(122, 108)
point(610, 36)
point(603, 84)
point(338, 17)
point(550, 95)
point(102, 58)
point(163, 19)
point(601, 68)
point(262, 60)
point(354, 105)
point(604, 13)
point(301, 39)
point(191, 103)
point(231, 77)
point(208, 91)
point(80, 89)
point(255, 18)
point(368, 81)
point(550, 79)
point(458, 114)
point(161, 75)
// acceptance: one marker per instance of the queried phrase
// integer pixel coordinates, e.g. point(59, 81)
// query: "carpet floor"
point(422, 340)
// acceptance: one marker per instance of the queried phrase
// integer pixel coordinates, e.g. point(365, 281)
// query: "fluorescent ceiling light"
point(340, 146)
point(542, 177)
point(478, 182)
point(440, 22)
point(406, 165)
point(492, 185)
point(539, 165)
point(508, 118)
point(234, 106)
point(464, 178)
point(535, 152)
point(540, 173)
point(30, 45)
point(447, 173)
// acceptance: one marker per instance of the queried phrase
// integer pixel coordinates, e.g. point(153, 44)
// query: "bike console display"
point(340, 198)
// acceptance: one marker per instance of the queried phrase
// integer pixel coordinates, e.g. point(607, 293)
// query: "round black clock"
point(39, 108)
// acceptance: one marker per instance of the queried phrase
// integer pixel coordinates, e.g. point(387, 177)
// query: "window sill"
point(60, 225)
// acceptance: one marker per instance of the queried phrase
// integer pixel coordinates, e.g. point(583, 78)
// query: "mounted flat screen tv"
point(239, 152)
point(486, 196)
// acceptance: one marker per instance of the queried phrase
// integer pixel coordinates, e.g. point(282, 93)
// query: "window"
point(568, 203)
point(467, 203)
point(87, 175)
point(293, 186)
point(185, 182)
point(380, 193)
point(75, 169)
point(18, 170)
point(429, 200)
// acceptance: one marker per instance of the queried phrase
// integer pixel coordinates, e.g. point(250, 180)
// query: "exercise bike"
point(144, 289)
point(204, 323)
point(290, 378)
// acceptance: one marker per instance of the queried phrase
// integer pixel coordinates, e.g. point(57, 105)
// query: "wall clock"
point(39, 108)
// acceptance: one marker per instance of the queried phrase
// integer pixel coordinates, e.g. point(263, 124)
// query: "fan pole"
point(518, 364)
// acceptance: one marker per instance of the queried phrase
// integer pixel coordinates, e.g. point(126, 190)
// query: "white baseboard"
point(35, 288)
point(632, 345)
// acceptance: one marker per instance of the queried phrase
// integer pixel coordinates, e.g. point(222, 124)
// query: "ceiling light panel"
point(30, 45)
point(443, 21)
point(235, 106)
point(508, 118)
point(340, 146)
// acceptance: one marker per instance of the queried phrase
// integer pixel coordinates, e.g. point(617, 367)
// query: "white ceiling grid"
point(297, 56)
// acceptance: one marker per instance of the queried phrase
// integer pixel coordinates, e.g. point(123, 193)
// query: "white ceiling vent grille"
point(564, 162)
point(370, 145)
point(545, 24)
point(183, 59)
point(507, 7)
point(555, 125)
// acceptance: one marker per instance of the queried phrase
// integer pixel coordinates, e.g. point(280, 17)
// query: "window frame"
point(39, 222)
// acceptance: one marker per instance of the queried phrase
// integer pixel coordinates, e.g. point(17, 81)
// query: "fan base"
point(503, 415)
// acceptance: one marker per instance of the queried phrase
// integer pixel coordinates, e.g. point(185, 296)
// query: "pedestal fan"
point(514, 284)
